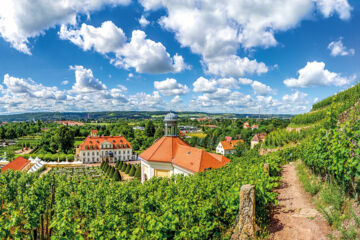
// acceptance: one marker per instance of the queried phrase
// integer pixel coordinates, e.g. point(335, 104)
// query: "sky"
point(234, 56)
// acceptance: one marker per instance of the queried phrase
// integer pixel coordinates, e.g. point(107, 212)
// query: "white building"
point(171, 155)
point(228, 146)
point(105, 148)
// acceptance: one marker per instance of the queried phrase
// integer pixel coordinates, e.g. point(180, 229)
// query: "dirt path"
point(296, 217)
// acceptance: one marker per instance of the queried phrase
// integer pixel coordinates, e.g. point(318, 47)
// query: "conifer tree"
point(132, 171)
point(128, 169)
point(124, 167)
point(117, 176)
point(138, 172)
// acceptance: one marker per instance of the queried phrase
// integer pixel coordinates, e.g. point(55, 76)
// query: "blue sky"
point(232, 56)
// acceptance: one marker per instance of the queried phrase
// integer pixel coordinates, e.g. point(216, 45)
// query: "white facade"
point(220, 150)
point(159, 169)
point(106, 148)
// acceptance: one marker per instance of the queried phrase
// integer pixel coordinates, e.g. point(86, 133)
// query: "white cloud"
point(234, 66)
point(337, 48)
point(329, 7)
point(22, 20)
point(261, 89)
point(65, 82)
point(176, 100)
point(230, 83)
point(85, 80)
point(143, 101)
point(143, 21)
point(104, 39)
point(315, 74)
point(217, 29)
point(245, 81)
point(143, 54)
point(293, 98)
point(171, 87)
point(204, 85)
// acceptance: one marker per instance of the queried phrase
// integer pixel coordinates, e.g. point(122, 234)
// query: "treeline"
point(16, 130)
point(200, 206)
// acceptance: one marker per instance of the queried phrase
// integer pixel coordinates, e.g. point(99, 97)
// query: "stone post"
point(245, 227)
point(267, 168)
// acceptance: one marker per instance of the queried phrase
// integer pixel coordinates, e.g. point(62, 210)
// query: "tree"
point(138, 172)
point(117, 176)
point(65, 138)
point(159, 132)
point(132, 171)
point(240, 149)
point(112, 172)
point(149, 129)
point(120, 164)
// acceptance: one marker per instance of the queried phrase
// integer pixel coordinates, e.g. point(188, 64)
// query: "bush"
point(121, 163)
point(132, 171)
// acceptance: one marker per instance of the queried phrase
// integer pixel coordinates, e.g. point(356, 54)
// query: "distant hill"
point(84, 116)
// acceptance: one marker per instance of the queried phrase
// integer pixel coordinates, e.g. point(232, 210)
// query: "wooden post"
point(245, 227)
point(267, 168)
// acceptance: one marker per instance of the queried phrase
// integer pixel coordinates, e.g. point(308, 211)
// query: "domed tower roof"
point(170, 117)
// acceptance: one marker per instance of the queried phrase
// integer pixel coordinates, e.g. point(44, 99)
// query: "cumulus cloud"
point(315, 74)
point(65, 82)
point(295, 97)
point(204, 85)
point(261, 89)
point(143, 21)
point(337, 48)
point(142, 54)
point(330, 7)
point(144, 101)
point(104, 39)
point(230, 83)
point(226, 26)
point(245, 81)
point(170, 87)
point(22, 20)
point(234, 66)
point(176, 100)
point(85, 80)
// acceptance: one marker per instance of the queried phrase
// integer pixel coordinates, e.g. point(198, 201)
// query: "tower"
point(170, 122)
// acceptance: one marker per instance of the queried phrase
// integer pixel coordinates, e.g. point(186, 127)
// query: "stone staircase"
point(36, 167)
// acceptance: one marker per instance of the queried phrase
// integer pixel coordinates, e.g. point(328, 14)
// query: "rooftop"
point(17, 164)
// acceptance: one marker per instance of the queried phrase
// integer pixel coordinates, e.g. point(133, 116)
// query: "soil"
point(295, 217)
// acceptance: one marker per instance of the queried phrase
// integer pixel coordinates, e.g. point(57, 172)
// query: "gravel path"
point(296, 217)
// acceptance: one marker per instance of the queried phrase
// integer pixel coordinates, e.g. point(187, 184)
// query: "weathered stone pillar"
point(245, 227)
point(267, 168)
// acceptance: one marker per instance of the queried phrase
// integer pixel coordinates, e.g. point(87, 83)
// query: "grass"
point(332, 202)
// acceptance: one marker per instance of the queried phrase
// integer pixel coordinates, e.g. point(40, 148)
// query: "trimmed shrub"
point(121, 163)
point(124, 167)
point(117, 165)
point(138, 172)
point(128, 169)
point(112, 172)
point(132, 171)
point(117, 176)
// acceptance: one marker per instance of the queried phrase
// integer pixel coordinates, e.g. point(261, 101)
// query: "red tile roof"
point(230, 145)
point(93, 143)
point(175, 150)
point(17, 164)
point(94, 131)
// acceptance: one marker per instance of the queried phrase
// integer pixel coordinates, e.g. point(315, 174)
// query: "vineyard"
point(281, 137)
point(202, 206)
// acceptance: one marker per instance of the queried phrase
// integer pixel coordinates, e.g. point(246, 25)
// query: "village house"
point(96, 149)
point(18, 164)
point(171, 155)
point(228, 146)
point(257, 139)
point(246, 125)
